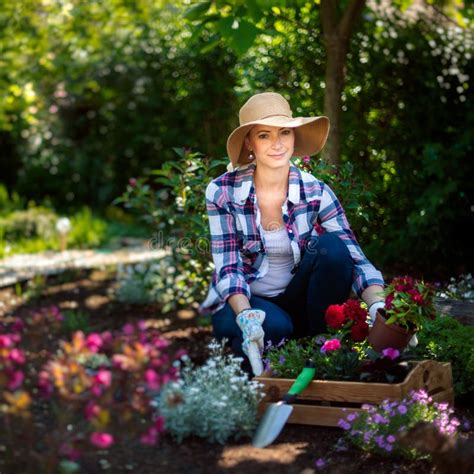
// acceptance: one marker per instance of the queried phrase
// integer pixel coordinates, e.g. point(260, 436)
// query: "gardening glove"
point(413, 342)
point(373, 308)
point(250, 322)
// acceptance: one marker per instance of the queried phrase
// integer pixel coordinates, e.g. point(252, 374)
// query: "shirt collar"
point(244, 183)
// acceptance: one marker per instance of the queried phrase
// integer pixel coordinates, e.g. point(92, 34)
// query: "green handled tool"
point(278, 413)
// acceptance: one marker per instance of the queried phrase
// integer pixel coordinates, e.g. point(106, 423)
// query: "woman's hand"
point(250, 322)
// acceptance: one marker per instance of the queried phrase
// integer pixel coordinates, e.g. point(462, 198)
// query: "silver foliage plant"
point(216, 401)
point(156, 282)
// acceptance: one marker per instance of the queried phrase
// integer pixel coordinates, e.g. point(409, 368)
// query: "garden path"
point(23, 267)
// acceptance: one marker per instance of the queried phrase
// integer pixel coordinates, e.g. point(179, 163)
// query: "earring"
point(251, 157)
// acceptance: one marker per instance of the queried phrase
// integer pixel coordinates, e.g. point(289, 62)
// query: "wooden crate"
point(325, 402)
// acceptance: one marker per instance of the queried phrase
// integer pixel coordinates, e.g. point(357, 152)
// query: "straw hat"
point(270, 108)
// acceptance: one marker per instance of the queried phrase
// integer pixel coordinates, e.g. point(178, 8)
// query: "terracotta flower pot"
point(384, 335)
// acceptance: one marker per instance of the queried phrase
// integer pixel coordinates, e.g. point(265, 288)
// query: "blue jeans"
point(324, 276)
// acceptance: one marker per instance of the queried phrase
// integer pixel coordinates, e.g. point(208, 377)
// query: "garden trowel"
point(278, 413)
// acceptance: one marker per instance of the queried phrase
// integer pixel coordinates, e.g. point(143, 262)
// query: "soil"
point(295, 450)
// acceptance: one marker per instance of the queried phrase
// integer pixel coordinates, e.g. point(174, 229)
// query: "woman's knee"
point(329, 249)
point(277, 326)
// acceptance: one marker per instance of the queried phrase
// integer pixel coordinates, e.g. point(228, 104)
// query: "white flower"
point(63, 225)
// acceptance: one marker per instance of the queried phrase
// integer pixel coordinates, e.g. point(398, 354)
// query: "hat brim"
point(310, 136)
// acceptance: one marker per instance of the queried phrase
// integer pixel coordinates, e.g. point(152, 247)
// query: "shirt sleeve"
point(333, 219)
point(225, 246)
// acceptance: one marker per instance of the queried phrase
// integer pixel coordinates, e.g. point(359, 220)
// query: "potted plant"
point(408, 303)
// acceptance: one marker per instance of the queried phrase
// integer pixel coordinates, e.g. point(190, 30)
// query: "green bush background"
point(103, 91)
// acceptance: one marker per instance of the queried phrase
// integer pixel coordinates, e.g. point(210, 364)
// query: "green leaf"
point(193, 13)
point(210, 46)
point(179, 151)
point(224, 26)
point(244, 36)
point(391, 319)
point(254, 10)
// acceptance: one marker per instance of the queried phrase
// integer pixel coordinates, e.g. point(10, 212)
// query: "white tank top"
point(280, 264)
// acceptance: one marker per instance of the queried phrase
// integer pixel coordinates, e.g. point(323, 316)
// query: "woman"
point(281, 244)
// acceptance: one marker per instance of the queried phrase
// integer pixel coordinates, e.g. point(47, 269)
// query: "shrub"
point(27, 224)
point(215, 402)
point(445, 339)
point(169, 282)
point(171, 201)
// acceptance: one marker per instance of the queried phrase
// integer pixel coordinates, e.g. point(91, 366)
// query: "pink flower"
point(16, 379)
point(91, 411)
point(56, 313)
point(18, 325)
point(306, 159)
point(128, 329)
point(331, 345)
point(391, 353)
point(94, 342)
point(132, 182)
point(44, 384)
point(101, 440)
point(6, 340)
point(152, 379)
point(16, 355)
point(150, 437)
point(159, 424)
point(103, 377)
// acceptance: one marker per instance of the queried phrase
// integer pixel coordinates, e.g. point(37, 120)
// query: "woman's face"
point(272, 146)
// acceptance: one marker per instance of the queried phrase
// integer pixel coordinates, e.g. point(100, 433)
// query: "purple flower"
point(269, 345)
point(402, 409)
point(380, 441)
point(388, 447)
point(281, 343)
point(352, 416)
point(379, 419)
point(391, 353)
point(320, 463)
point(391, 439)
point(320, 340)
point(343, 424)
point(281, 360)
point(367, 436)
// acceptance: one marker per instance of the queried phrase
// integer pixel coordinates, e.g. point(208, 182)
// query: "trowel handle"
point(302, 381)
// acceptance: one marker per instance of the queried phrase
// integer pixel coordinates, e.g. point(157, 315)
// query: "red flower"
point(388, 301)
point(354, 311)
point(416, 296)
point(359, 331)
point(335, 317)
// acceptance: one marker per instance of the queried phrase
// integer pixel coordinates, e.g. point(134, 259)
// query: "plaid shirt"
point(238, 252)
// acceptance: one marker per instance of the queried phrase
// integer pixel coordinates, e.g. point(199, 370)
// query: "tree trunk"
point(337, 33)
point(334, 81)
